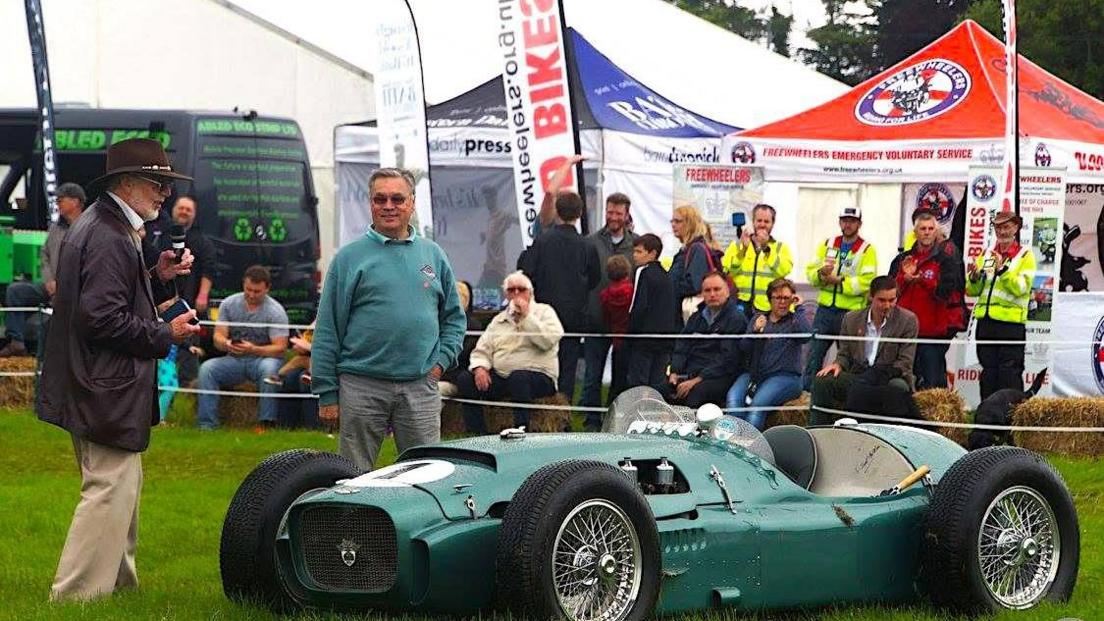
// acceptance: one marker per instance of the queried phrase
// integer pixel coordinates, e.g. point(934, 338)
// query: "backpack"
point(714, 257)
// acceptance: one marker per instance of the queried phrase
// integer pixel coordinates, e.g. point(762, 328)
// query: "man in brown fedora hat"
point(99, 379)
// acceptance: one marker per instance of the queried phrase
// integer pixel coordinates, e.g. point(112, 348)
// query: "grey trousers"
point(98, 557)
point(369, 406)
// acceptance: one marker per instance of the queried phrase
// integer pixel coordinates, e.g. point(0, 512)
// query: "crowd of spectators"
point(612, 287)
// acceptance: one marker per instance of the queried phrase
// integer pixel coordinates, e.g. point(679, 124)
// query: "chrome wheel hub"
point(596, 563)
point(1019, 547)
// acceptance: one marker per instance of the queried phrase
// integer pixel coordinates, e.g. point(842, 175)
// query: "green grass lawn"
point(190, 478)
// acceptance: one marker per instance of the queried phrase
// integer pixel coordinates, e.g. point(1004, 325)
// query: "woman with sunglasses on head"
point(693, 261)
point(775, 363)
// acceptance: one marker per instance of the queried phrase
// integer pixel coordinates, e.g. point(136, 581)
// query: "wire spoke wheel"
point(596, 563)
point(1019, 547)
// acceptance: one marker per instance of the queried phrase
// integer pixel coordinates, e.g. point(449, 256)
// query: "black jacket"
point(564, 268)
point(711, 358)
point(99, 379)
point(651, 313)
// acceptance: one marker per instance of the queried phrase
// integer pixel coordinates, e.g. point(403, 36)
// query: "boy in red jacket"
point(616, 300)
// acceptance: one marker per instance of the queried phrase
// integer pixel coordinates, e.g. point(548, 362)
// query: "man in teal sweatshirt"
point(389, 323)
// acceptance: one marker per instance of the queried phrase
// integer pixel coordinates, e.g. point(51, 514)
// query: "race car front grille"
point(349, 548)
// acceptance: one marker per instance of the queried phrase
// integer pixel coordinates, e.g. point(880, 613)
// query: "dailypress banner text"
point(538, 100)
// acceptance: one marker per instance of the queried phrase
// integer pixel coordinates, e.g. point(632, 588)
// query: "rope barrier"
point(695, 336)
point(932, 423)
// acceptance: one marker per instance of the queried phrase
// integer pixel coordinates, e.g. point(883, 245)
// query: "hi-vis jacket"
point(857, 269)
point(1003, 295)
point(752, 270)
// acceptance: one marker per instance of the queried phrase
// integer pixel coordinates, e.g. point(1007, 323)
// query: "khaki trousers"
point(98, 557)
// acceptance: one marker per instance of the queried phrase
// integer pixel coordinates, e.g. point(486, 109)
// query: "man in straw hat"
point(99, 380)
point(1001, 279)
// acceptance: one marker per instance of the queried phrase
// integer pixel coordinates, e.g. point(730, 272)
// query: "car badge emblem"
point(348, 552)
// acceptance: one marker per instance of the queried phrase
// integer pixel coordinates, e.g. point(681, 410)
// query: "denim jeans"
point(227, 371)
point(930, 366)
point(21, 294)
point(828, 320)
point(773, 391)
point(595, 349)
point(297, 413)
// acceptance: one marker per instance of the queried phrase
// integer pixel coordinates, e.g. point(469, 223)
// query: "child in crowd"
point(651, 311)
point(615, 300)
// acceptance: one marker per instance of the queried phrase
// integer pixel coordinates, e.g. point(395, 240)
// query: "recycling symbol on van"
point(242, 230)
point(276, 230)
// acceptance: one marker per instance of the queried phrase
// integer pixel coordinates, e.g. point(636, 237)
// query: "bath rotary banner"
point(538, 101)
point(1042, 205)
point(719, 192)
point(400, 103)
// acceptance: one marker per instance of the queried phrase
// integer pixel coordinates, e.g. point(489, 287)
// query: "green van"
point(252, 184)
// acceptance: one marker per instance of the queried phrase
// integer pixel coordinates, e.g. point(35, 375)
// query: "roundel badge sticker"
point(984, 187)
point(938, 198)
point(743, 153)
point(917, 93)
point(1098, 355)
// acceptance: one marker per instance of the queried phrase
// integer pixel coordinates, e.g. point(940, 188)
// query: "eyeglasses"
point(781, 298)
point(396, 199)
point(516, 289)
point(161, 185)
point(677, 220)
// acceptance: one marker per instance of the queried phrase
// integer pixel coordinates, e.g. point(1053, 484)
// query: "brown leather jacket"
point(99, 379)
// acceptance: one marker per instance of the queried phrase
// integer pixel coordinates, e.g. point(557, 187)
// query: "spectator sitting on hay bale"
point(516, 358)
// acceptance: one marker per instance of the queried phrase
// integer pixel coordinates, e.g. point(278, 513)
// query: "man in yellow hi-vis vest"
point(1001, 279)
point(842, 270)
point(756, 260)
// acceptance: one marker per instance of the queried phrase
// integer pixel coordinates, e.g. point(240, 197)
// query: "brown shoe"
point(13, 348)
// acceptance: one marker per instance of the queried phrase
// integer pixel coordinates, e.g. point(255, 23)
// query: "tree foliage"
point(845, 45)
point(772, 29)
point(1062, 36)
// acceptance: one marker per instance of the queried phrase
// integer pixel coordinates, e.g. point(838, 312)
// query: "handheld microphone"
point(177, 235)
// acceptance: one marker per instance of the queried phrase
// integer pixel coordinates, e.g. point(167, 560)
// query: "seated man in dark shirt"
point(703, 369)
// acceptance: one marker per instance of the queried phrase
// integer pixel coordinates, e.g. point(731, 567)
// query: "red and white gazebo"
point(928, 118)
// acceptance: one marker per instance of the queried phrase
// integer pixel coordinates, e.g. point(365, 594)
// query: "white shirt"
point(871, 346)
point(132, 216)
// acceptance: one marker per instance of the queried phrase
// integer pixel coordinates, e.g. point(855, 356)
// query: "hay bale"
point(943, 405)
point(498, 418)
point(452, 419)
point(240, 412)
point(17, 392)
point(791, 417)
point(1060, 412)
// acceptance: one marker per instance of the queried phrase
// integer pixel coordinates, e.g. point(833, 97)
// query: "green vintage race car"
point(669, 515)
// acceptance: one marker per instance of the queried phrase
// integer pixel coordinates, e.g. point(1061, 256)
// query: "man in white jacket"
point(516, 359)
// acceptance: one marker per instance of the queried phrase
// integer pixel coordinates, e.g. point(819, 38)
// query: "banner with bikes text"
point(535, 78)
point(1042, 206)
point(718, 193)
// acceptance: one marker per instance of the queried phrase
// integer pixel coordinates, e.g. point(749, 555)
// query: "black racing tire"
point(248, 558)
point(951, 572)
point(531, 529)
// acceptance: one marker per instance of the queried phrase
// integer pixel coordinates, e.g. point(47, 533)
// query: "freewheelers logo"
point(1042, 155)
point(743, 153)
point(937, 198)
point(984, 187)
point(1098, 355)
point(917, 93)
